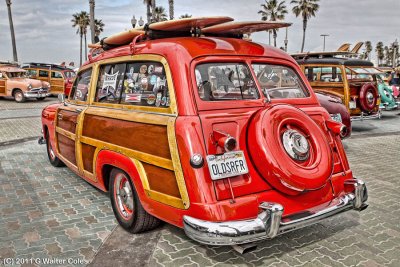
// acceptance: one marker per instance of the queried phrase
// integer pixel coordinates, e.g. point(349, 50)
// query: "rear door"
point(57, 82)
point(67, 119)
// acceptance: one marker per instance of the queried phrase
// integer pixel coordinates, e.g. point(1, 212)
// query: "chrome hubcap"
point(296, 145)
point(124, 196)
point(370, 98)
point(52, 155)
point(18, 96)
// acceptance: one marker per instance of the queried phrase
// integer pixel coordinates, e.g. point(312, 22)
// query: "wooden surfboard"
point(357, 47)
point(96, 45)
point(344, 47)
point(245, 27)
point(124, 37)
point(186, 24)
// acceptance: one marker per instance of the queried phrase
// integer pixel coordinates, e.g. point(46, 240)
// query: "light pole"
point(286, 39)
point(324, 36)
point(395, 46)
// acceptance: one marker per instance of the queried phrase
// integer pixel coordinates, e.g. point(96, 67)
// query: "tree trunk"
point(304, 34)
point(171, 9)
point(14, 46)
point(153, 9)
point(274, 31)
point(92, 28)
point(80, 54)
point(269, 37)
point(148, 13)
point(85, 48)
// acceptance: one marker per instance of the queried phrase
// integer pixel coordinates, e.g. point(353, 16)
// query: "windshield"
point(225, 81)
point(363, 73)
point(279, 81)
point(16, 74)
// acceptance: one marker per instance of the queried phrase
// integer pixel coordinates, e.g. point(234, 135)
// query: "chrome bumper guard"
point(363, 117)
point(269, 223)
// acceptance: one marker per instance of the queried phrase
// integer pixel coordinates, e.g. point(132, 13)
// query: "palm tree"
point(92, 21)
point(81, 21)
point(307, 9)
point(387, 55)
point(368, 50)
point(185, 16)
point(14, 46)
point(159, 14)
point(148, 6)
point(379, 52)
point(171, 9)
point(98, 28)
point(273, 11)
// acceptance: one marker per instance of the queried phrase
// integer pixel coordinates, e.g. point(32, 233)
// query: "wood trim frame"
point(138, 157)
point(172, 109)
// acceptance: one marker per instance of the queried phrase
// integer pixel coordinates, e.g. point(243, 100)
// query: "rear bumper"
point(270, 223)
point(362, 117)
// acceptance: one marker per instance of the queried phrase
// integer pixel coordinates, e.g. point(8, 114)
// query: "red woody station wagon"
point(192, 125)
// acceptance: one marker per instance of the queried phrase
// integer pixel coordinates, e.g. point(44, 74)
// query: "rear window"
point(279, 81)
point(225, 81)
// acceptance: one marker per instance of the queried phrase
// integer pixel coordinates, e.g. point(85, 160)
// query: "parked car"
point(217, 135)
point(343, 77)
point(59, 77)
point(336, 109)
point(14, 83)
point(388, 98)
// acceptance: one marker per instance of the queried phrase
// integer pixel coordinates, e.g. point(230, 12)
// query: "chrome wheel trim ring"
point(370, 97)
point(296, 145)
point(124, 196)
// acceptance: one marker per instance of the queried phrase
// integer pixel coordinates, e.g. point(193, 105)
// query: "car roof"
point(46, 66)
point(188, 48)
point(335, 61)
point(11, 69)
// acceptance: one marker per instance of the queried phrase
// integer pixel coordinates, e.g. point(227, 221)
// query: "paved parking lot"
point(48, 212)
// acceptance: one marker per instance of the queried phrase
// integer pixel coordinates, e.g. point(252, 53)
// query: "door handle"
point(79, 110)
point(60, 116)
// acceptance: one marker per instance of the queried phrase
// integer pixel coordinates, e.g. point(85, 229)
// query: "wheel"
point(19, 96)
point(126, 205)
point(40, 98)
point(54, 160)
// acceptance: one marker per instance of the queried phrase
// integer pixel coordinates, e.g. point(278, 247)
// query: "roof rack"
point(331, 54)
point(187, 27)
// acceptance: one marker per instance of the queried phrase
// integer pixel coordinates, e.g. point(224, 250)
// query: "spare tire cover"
point(288, 172)
point(368, 97)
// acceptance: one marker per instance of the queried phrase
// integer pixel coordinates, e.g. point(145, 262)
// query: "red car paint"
point(197, 119)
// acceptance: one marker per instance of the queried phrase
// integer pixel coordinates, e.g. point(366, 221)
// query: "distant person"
point(394, 77)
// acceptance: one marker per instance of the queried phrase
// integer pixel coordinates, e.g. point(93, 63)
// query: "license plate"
point(227, 165)
point(336, 117)
point(352, 105)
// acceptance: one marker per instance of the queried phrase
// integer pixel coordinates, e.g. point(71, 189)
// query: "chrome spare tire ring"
point(296, 145)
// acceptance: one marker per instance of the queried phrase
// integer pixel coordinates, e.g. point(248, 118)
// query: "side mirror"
point(61, 99)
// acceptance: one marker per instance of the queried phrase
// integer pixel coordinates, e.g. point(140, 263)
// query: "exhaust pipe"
point(245, 248)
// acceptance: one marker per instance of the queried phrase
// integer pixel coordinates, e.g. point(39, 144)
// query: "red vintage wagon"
point(217, 135)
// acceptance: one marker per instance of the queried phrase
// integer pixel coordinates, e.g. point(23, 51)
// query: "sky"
point(44, 31)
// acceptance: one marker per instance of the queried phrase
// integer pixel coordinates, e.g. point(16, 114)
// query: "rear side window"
point(279, 81)
point(225, 81)
point(81, 86)
point(133, 83)
point(56, 75)
point(43, 73)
